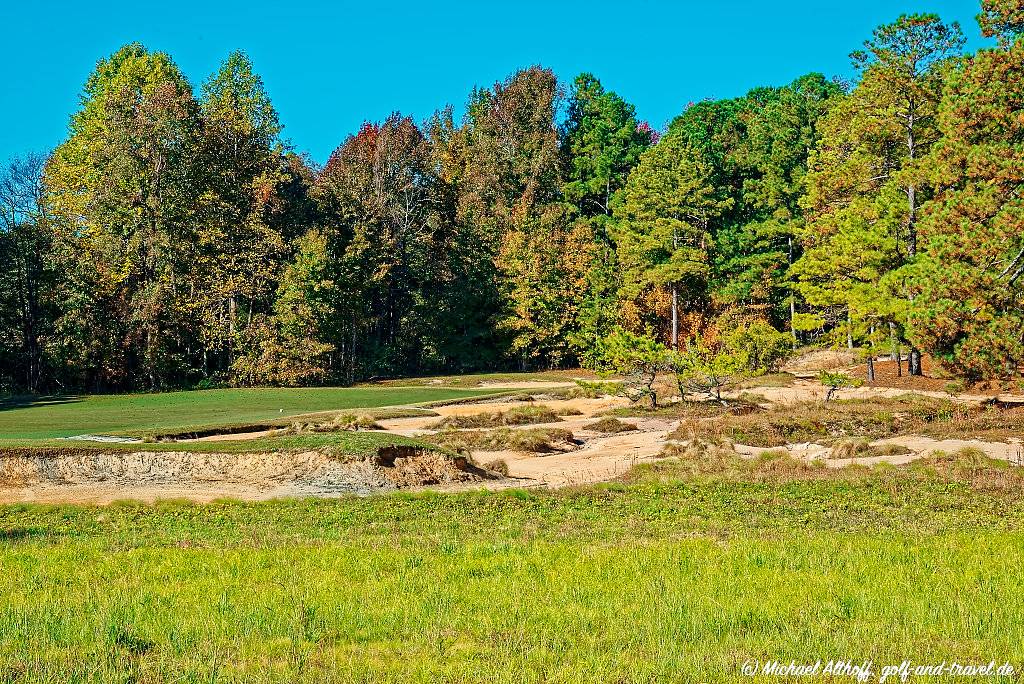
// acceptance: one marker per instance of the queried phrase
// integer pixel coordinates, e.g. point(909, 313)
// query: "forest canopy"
point(175, 239)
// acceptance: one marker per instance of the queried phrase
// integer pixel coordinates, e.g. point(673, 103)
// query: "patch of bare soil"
point(812, 390)
point(98, 477)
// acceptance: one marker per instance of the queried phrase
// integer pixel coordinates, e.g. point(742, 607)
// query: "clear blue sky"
point(329, 66)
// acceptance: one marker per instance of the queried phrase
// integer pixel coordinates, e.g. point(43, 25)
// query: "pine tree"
point(602, 141)
point(970, 295)
point(866, 181)
point(662, 233)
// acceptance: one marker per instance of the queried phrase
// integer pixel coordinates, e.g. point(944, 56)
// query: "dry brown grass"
point(497, 466)
point(609, 425)
point(519, 415)
point(716, 458)
point(972, 465)
point(711, 460)
point(530, 440)
point(340, 422)
point(871, 419)
point(689, 409)
point(862, 448)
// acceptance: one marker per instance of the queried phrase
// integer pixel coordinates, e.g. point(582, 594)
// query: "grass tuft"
point(610, 425)
point(530, 440)
point(518, 415)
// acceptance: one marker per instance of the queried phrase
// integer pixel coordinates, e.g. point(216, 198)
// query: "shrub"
point(598, 389)
point(764, 347)
point(639, 358)
point(862, 448)
point(498, 466)
point(836, 381)
point(708, 369)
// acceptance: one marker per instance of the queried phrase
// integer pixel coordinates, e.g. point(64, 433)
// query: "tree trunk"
point(871, 354)
point(914, 361)
point(675, 317)
point(792, 300)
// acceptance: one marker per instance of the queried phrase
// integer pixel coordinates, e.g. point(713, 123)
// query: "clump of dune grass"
point(342, 422)
point(610, 425)
point(518, 415)
point(497, 466)
point(863, 448)
point(530, 440)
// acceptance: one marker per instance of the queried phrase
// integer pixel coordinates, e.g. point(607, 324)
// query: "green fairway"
point(657, 580)
point(49, 417)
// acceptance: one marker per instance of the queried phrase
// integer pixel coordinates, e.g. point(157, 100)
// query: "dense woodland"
point(175, 239)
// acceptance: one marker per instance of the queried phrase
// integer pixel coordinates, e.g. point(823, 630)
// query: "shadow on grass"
point(29, 400)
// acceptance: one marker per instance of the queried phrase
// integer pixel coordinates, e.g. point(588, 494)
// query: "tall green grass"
point(659, 580)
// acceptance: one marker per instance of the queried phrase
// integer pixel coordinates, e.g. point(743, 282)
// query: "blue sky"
point(329, 66)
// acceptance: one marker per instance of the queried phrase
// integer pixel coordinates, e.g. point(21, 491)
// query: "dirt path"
point(526, 384)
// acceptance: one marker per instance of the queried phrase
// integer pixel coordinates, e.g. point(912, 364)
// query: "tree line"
point(175, 239)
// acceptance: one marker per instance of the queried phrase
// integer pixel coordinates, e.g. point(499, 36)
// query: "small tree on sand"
point(708, 369)
point(836, 381)
point(638, 359)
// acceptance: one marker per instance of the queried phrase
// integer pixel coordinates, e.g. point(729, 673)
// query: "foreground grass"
point(50, 417)
point(674, 576)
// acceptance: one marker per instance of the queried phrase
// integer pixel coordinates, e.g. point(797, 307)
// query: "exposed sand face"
point(103, 477)
point(97, 477)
